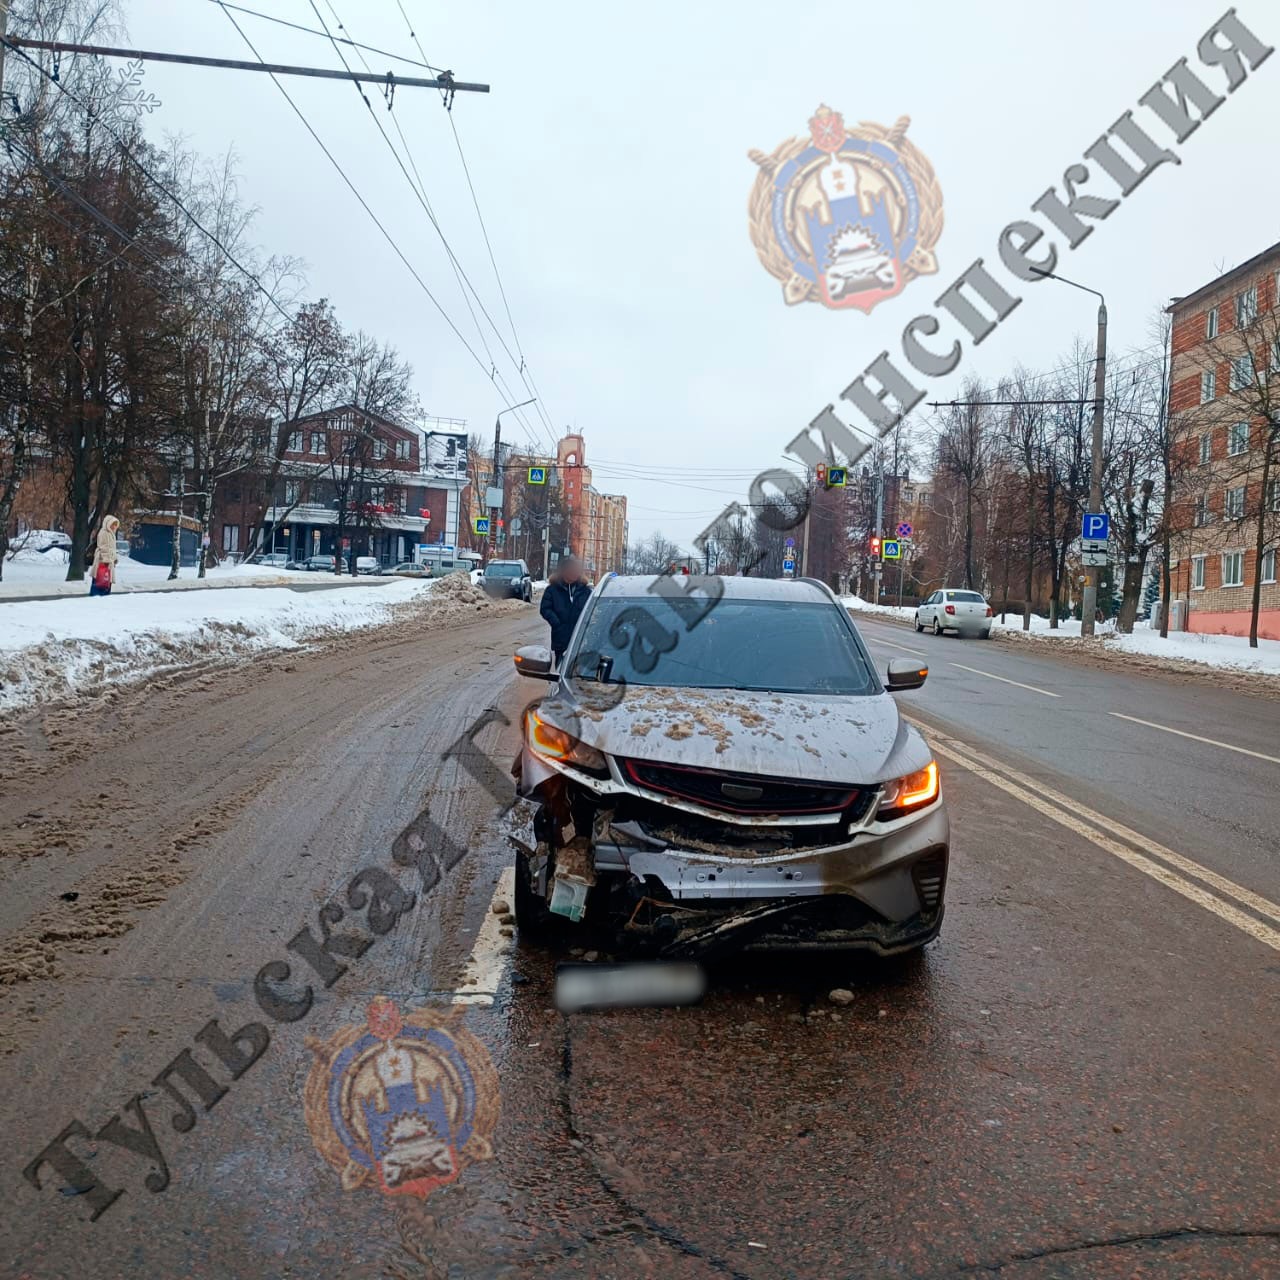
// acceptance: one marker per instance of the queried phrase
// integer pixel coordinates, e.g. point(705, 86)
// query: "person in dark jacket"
point(562, 603)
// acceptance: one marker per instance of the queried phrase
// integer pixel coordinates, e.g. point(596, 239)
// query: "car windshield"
point(502, 571)
point(777, 646)
point(966, 597)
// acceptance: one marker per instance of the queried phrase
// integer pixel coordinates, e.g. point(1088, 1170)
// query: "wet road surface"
point(1077, 1080)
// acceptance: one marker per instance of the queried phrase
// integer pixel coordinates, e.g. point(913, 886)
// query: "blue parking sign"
point(1096, 526)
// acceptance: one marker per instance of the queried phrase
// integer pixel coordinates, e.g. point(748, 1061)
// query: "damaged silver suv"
point(717, 766)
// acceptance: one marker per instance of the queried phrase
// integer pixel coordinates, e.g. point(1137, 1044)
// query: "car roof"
point(800, 590)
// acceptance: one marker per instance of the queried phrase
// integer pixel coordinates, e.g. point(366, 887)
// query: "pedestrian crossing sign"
point(836, 477)
point(482, 524)
point(892, 550)
point(537, 475)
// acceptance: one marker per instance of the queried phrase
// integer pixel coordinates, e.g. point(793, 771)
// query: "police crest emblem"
point(402, 1103)
point(847, 217)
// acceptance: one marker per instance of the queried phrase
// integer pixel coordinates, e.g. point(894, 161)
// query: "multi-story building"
point(396, 488)
point(596, 522)
point(1226, 423)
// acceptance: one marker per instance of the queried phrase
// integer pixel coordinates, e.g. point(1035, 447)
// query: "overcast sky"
point(610, 160)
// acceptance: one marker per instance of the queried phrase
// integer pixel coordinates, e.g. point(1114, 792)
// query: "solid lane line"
point(1193, 892)
point(893, 644)
point(1195, 737)
point(1005, 680)
point(1256, 902)
point(488, 959)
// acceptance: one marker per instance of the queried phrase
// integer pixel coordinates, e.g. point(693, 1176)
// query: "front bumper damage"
point(684, 881)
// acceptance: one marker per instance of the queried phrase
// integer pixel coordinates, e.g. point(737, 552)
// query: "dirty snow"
point(55, 648)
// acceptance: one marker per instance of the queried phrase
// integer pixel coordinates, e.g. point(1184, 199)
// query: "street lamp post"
point(1089, 606)
point(495, 512)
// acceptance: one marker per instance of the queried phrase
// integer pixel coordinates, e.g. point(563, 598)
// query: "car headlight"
point(903, 795)
point(546, 739)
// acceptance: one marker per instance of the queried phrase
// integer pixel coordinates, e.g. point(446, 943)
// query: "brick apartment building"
point(409, 489)
point(1226, 366)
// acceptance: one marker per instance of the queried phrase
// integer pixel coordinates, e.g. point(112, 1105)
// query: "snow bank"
point(857, 604)
point(28, 571)
point(50, 649)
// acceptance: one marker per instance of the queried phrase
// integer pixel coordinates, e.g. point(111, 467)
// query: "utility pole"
point(1089, 604)
point(878, 567)
point(808, 520)
point(496, 488)
point(4, 28)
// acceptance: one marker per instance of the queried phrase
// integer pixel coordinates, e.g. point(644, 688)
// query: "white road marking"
point(1086, 823)
point(1195, 737)
point(893, 644)
point(483, 972)
point(1005, 680)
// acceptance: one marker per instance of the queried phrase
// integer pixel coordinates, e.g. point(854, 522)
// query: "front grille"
point(741, 792)
point(930, 877)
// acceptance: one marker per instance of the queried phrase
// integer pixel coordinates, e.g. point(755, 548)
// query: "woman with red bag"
point(104, 559)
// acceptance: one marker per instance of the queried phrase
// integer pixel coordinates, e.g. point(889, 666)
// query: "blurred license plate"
point(628, 986)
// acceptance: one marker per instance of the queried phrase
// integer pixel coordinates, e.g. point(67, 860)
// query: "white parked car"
point(369, 565)
point(967, 613)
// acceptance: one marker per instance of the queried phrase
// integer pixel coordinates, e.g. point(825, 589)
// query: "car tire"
point(534, 919)
point(937, 626)
point(918, 624)
point(986, 635)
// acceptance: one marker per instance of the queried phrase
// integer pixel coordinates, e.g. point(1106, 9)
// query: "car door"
point(927, 610)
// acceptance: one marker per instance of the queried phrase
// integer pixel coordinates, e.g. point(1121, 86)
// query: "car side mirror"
point(535, 662)
point(903, 674)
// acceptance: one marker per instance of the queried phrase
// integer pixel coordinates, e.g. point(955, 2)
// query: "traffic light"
point(875, 546)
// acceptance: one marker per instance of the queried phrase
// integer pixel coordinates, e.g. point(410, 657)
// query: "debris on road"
point(840, 995)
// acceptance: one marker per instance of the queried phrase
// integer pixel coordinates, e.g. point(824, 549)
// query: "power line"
point(421, 198)
point(91, 114)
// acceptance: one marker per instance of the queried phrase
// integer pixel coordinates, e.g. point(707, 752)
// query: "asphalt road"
point(1078, 1080)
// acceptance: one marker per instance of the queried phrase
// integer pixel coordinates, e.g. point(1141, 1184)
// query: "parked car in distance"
point(507, 580)
point(297, 565)
point(322, 564)
point(967, 613)
point(410, 569)
point(368, 565)
point(274, 560)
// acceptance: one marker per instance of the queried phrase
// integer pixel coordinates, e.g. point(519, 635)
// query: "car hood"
point(821, 738)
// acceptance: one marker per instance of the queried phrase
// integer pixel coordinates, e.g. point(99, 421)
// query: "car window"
point(503, 571)
point(965, 597)
point(778, 646)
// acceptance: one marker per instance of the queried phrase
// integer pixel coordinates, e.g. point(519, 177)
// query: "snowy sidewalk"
point(1228, 653)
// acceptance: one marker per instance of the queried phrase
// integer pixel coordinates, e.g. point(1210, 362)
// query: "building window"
point(402, 451)
point(1197, 573)
point(1206, 448)
point(1202, 511)
point(317, 442)
point(1242, 372)
point(1208, 386)
point(295, 442)
point(1211, 323)
point(379, 450)
point(1235, 503)
point(1233, 569)
point(1247, 307)
point(1269, 565)
point(1275, 356)
point(1238, 438)
point(292, 492)
point(231, 537)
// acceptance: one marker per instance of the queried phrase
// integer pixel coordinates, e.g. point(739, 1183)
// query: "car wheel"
point(937, 626)
point(534, 919)
point(986, 635)
point(918, 624)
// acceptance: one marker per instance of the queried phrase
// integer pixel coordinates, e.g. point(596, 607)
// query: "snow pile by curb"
point(52, 649)
point(856, 604)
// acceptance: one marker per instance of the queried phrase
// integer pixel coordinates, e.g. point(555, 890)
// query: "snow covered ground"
point(1227, 652)
point(51, 648)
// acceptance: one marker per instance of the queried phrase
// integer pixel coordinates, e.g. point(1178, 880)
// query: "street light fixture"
point(1089, 606)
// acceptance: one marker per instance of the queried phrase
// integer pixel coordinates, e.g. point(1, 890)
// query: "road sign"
point(893, 551)
point(904, 530)
point(537, 475)
point(482, 524)
point(1093, 544)
point(493, 496)
point(836, 477)
point(788, 566)
point(790, 542)
point(1096, 525)
point(1095, 558)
